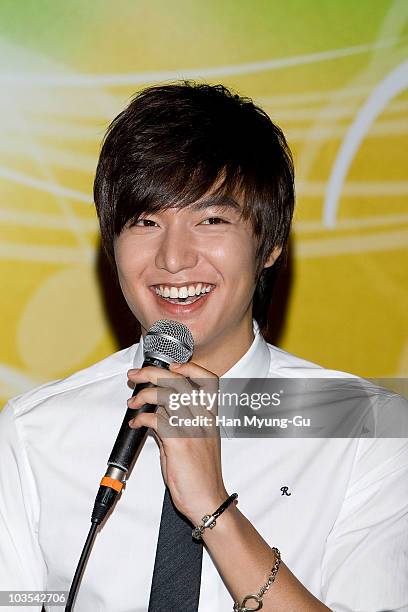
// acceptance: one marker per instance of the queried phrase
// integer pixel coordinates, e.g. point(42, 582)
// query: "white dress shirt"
point(343, 530)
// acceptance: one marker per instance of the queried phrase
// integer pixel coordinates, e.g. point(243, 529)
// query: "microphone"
point(165, 342)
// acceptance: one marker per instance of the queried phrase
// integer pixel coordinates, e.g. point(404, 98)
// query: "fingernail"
point(176, 365)
point(131, 422)
point(133, 370)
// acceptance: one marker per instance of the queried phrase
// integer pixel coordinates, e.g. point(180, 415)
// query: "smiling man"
point(194, 194)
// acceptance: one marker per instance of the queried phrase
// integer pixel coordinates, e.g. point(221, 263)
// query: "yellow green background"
point(67, 68)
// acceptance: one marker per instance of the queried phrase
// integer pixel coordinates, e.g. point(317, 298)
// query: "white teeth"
point(183, 292)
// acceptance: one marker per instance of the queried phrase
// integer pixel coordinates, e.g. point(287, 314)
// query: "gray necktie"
point(177, 567)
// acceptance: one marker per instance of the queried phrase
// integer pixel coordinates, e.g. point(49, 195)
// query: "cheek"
point(128, 266)
point(235, 259)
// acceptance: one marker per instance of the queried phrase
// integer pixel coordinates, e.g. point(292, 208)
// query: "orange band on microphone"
point(107, 481)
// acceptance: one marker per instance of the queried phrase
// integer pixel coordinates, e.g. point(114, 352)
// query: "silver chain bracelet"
point(258, 598)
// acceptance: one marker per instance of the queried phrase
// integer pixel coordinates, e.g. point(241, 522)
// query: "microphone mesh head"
point(170, 341)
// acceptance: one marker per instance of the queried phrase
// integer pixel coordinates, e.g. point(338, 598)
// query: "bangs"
point(179, 187)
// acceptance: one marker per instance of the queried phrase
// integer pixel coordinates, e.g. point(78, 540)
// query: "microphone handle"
point(129, 440)
point(127, 444)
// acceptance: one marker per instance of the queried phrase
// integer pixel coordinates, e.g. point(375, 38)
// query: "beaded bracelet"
point(258, 599)
point(208, 520)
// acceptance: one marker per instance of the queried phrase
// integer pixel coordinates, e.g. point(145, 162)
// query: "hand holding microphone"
point(190, 457)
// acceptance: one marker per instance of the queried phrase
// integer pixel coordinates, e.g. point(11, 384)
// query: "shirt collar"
point(253, 364)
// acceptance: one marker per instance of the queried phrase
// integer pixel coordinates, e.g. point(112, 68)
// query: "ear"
point(273, 256)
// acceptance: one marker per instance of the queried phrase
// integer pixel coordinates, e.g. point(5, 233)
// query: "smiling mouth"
point(183, 295)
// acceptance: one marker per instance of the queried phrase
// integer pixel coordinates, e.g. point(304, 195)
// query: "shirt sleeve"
point(365, 562)
point(22, 566)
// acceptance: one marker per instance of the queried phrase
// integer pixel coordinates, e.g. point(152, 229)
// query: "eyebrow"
point(222, 201)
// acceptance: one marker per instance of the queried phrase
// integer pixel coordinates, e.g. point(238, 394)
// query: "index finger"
point(160, 377)
point(197, 374)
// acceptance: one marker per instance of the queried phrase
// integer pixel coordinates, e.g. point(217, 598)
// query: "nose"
point(176, 250)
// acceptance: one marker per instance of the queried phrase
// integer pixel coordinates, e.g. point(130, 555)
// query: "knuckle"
point(133, 372)
point(141, 419)
point(142, 393)
point(141, 398)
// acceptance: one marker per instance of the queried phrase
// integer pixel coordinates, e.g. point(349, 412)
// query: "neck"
point(226, 350)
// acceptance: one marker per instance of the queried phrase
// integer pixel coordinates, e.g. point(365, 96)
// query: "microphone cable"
point(81, 566)
point(111, 485)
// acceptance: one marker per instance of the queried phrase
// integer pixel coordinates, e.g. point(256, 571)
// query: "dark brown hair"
point(174, 142)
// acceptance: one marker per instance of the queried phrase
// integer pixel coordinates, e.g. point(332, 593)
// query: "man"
point(194, 193)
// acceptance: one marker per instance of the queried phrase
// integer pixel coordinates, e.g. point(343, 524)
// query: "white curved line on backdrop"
point(393, 84)
point(133, 78)
point(392, 26)
point(46, 186)
point(58, 255)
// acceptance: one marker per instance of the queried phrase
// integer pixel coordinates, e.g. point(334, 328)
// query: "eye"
point(145, 223)
point(214, 221)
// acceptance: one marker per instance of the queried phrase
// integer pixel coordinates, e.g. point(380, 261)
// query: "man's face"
point(189, 265)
